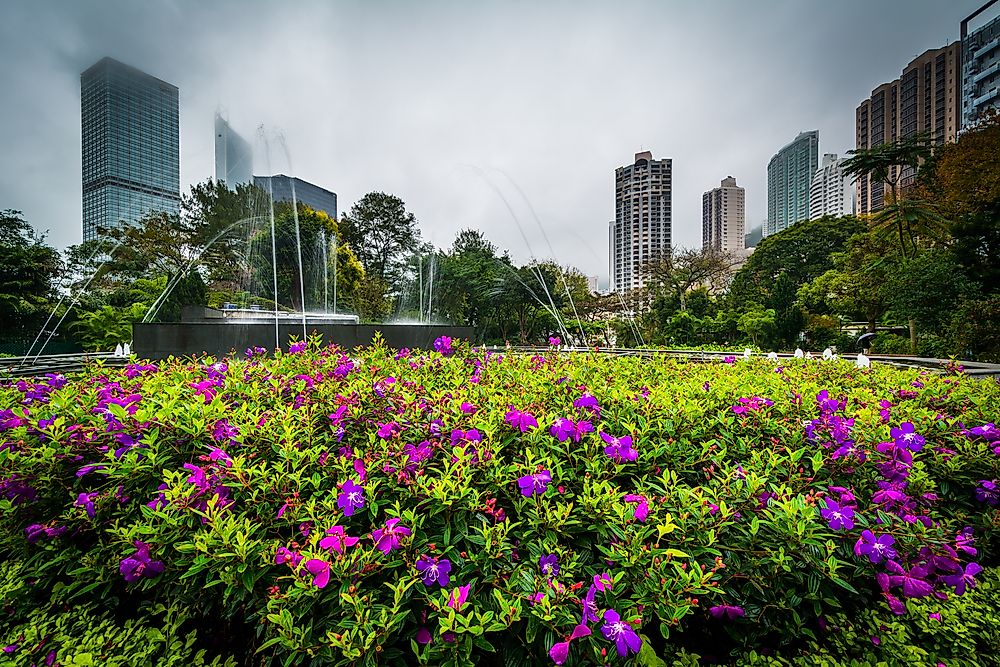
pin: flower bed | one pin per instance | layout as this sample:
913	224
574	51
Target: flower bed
468	507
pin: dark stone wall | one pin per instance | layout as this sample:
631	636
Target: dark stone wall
180	339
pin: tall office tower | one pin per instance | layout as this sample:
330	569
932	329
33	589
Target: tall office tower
980	64
723	217
131	146
233	155
788	176
831	191
640	231
926	98
313	196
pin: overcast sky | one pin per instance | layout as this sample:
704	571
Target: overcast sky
442	103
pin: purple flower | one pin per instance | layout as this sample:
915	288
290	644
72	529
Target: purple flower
560	650
876	548
423	636
603	581
534	484
590	606
588	403
337	540
727	611
963	579
468	408
567	429
352	497
86	501
320	570
554	341
388	538
619	449
442	345
388	430
434	571
838	517
286	555
914	582
523	421
549	565
906	437
987	492
458	596
751	404
295	348
621	633
139	564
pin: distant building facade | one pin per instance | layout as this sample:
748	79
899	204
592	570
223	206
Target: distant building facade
641	229
980	63
287	188
755	235
233	155
831	191
789	174
723	217
131	146
926	98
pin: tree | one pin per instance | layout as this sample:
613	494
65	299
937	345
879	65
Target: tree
804	251
29	268
383	234
758	324
680	271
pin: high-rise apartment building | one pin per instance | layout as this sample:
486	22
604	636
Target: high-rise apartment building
131	146
831	191
925	99
641	229
723	217
286	188
789	174
980	63
233	155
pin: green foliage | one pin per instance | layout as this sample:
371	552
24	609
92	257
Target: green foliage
382	234
102	329
29	268
230	462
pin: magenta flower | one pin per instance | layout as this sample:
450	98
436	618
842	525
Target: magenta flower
442	345
286	555
726	611
619	449
549	565
554	341
351	498
567	429
534	484
423	636
560	650
337	540
642	509
523	421
139	564
434	571
295	348
621	633
388	538
906	437
838	517
876	548
751	404
603	581
388	430
320	570
458	596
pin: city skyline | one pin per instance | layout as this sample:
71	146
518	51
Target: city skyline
386	104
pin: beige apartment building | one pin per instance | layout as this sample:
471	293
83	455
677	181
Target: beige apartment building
723	217
641	229
925	98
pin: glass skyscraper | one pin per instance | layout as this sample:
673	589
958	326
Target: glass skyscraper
233	155
313	196
131	146
789	174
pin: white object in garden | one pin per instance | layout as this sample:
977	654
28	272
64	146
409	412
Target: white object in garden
747	353
863	361
799	353
809	355
773	356
126	350
118	350
828	354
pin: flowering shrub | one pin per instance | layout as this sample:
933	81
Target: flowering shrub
320	507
